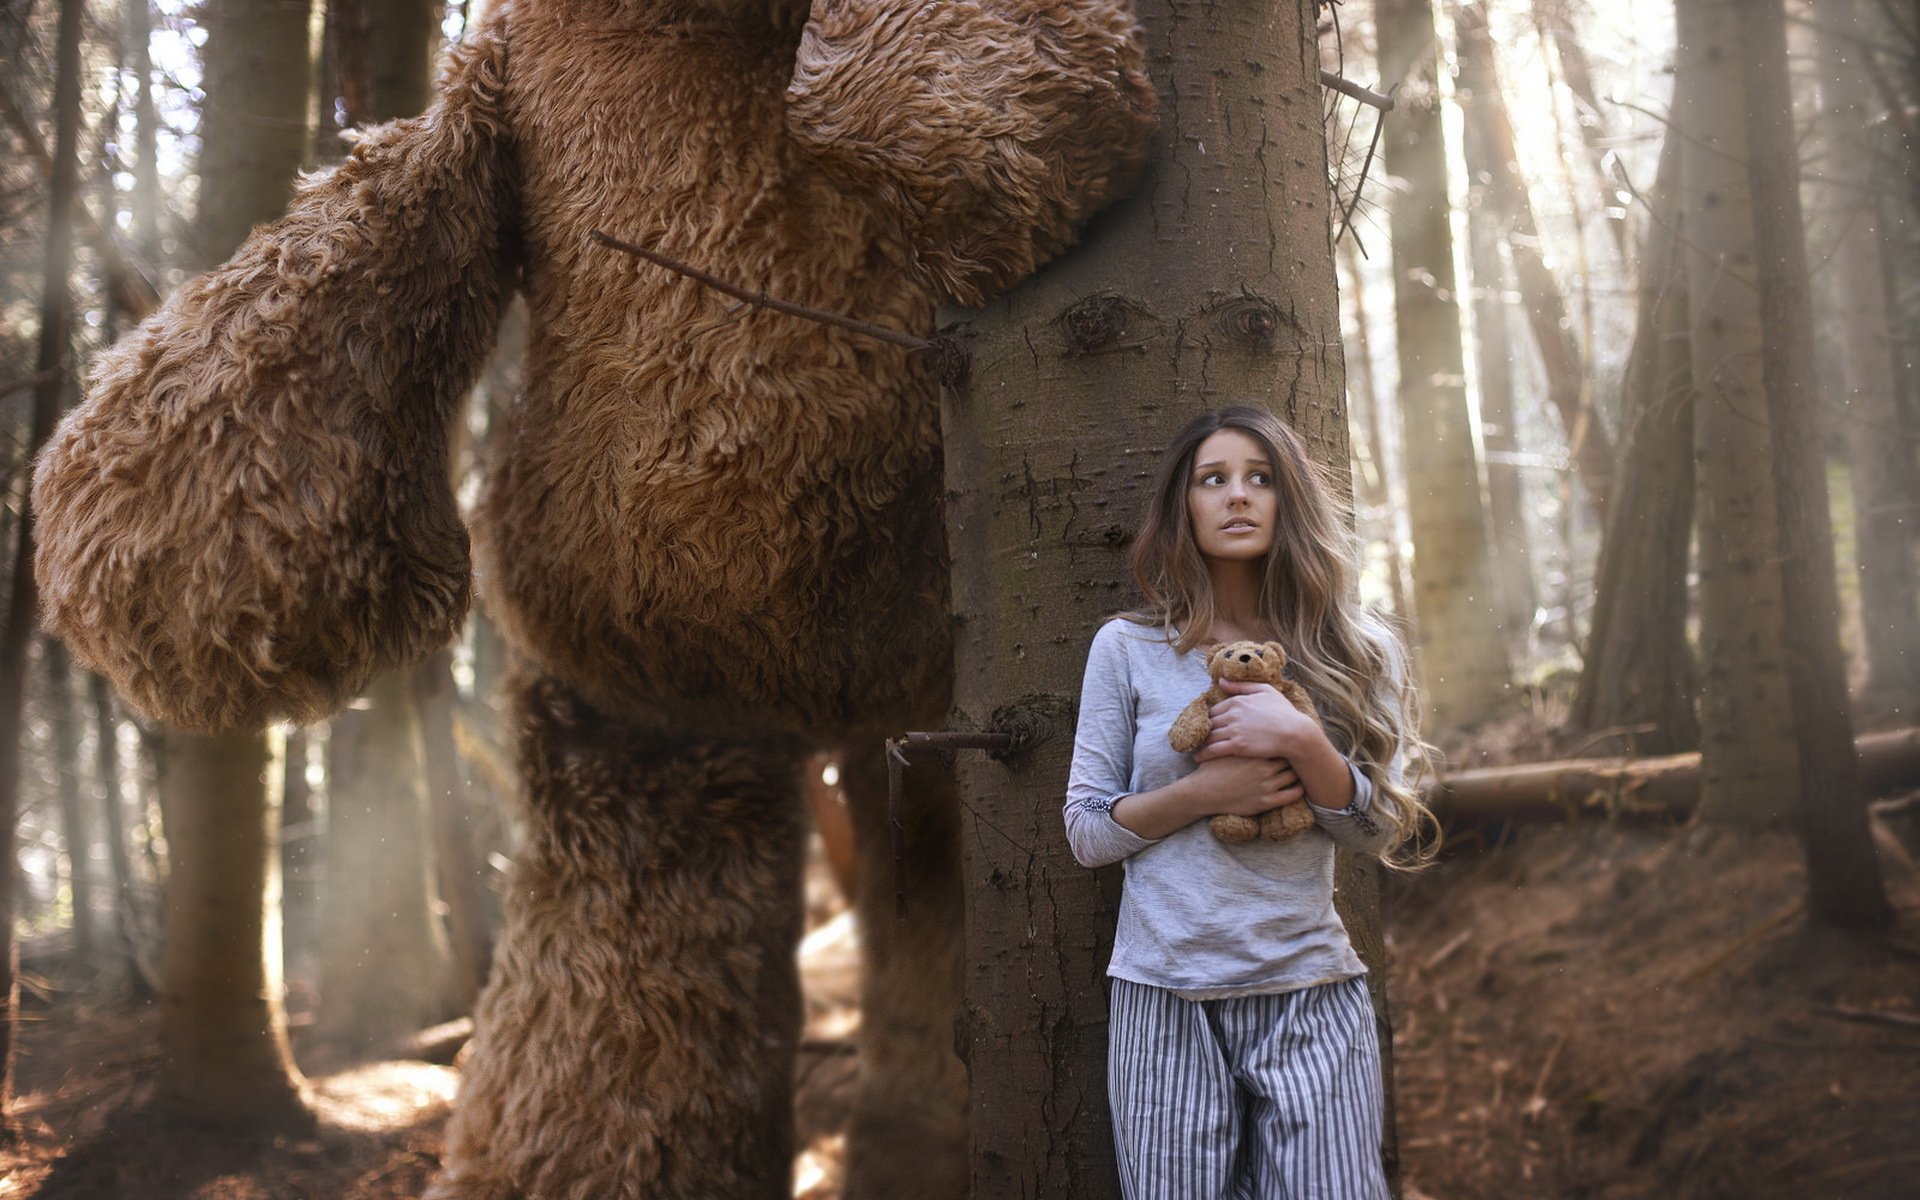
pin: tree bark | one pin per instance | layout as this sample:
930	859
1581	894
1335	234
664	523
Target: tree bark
222	1022
1486	229
1750	758
1463	661
1844	886
1639	677
54	369
1214	283
1879	453
222	1032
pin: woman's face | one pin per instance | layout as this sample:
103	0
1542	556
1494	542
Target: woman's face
1231	499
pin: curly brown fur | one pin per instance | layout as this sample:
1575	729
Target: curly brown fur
638	1033
732	517
880	89
251	515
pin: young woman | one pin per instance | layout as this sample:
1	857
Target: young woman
1242	1060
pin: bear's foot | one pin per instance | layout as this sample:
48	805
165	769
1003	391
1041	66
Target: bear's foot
1233	830
1279	824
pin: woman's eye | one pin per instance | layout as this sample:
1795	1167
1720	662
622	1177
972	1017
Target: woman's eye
1261	478
1213	478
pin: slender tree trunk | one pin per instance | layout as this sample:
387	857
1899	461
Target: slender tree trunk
1463	661
222	1022
55	369
1568	380
451	805
1750	772
1880	455
1555	21
1486	226
1843	872
113	827
63	720
1174	305
1639	677
137	28
386	966
1375	491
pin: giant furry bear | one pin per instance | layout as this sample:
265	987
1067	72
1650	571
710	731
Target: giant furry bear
712	536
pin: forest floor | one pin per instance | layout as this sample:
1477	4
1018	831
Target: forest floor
1582	1011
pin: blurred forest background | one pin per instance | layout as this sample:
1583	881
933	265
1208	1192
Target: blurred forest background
1665	287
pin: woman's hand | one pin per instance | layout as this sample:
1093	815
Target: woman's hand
1245	787
1256	721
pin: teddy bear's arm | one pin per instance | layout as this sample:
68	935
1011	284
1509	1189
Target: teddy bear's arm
1190	728
995	126
252	514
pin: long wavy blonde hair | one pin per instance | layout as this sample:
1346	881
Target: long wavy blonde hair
1350	660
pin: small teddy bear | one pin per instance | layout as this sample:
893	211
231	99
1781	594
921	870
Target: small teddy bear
1246	662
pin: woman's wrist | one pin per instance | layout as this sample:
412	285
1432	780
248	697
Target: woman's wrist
1324	773
1155	814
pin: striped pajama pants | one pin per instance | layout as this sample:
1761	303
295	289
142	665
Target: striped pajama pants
1272	1097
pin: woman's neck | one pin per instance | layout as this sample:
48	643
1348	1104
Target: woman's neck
1236	602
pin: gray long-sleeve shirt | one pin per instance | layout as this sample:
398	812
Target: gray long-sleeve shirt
1199	916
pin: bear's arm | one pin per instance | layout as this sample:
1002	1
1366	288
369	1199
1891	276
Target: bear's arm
251	514
994	126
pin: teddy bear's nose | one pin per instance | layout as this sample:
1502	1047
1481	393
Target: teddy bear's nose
1246	658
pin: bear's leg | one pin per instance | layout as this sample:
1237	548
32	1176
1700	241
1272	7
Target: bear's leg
638	1034
909	1124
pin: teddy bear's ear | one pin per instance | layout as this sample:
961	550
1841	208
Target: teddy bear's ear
1278	651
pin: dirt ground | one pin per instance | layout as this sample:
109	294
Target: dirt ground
1580	1011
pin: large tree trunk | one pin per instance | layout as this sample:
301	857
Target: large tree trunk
1881	456
1843	874
1487	223
1750	762
54	371
222	1030
222	1023
1639	677
1213	283
1463	662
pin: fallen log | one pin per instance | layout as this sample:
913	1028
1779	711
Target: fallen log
1668	786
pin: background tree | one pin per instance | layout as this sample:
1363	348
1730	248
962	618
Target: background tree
51	381
1464	671
1639	683
1879	450
1774	696
386	967
1081	376
223	1026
